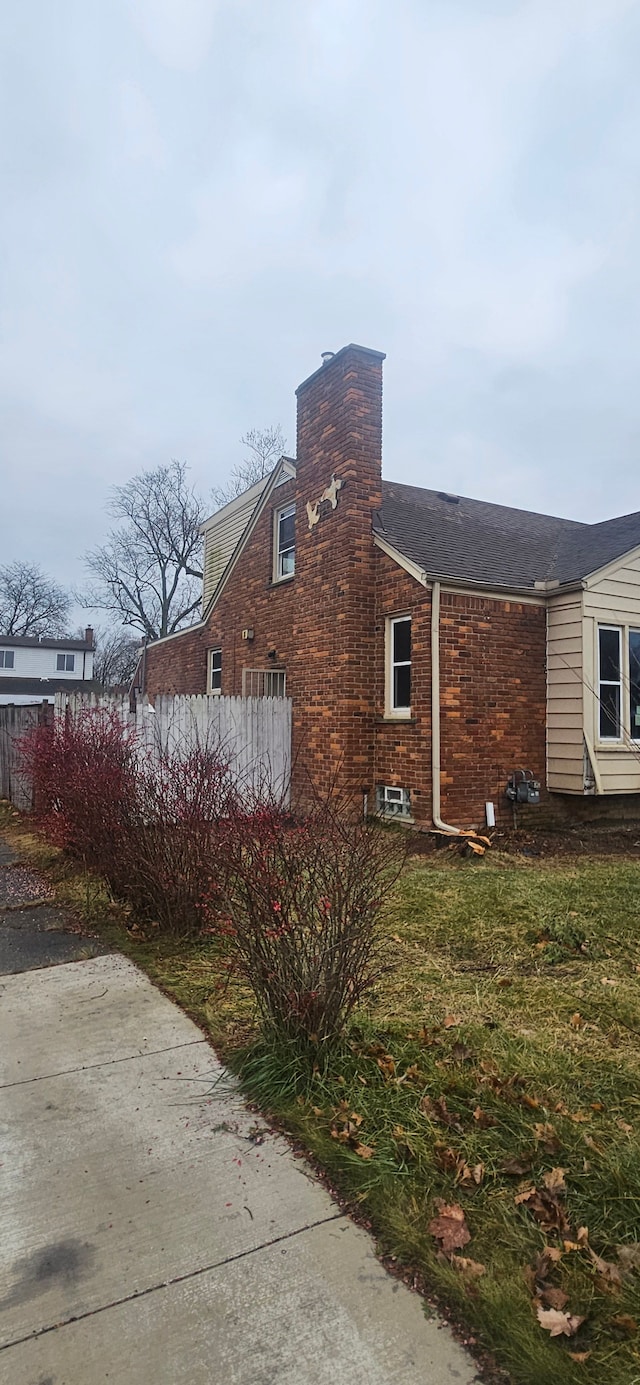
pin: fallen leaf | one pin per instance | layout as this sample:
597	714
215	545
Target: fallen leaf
555	1298
398	1132
449	1227
483	1119
622	1125
387	1065
591	1144
364	1151
579	1117
450	1021
460	1053
579	1356
609	1275
472	1268
554	1182
466	1177
317	1111
437	1110
546	1209
517	1168
576	1021
607	981
547	1136
530	1101
625	1323
558	1324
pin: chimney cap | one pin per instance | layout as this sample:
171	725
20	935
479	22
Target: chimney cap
326	356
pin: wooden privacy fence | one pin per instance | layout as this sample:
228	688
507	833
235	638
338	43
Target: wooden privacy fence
15	721
254	733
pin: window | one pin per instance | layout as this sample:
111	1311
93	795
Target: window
393	802
264	682
215	670
7	657
66	663
610	682
284	543
634	684
399	667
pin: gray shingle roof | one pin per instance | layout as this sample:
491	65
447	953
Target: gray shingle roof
474	541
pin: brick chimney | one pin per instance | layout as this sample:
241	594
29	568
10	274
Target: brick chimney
338	490
88	636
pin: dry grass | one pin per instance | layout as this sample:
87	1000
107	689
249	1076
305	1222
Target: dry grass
515	993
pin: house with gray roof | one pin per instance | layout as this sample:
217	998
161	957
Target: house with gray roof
436	649
34	668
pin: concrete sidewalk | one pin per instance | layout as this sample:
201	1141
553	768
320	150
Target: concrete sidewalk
152	1232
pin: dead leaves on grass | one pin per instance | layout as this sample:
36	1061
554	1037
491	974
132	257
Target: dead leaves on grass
558	1324
449	1227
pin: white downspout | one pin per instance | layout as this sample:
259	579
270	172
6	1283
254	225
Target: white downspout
435	714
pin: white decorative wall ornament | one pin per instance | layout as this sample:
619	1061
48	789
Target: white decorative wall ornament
330	494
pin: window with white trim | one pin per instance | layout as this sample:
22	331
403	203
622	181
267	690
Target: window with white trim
65	663
284	543
7	658
398	697
393	802
215	671
610	682
264	682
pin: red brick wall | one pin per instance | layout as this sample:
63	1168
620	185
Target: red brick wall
339	433
327	626
492	697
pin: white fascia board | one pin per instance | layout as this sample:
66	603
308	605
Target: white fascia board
285	468
164	639
412	568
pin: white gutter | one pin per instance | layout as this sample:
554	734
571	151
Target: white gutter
435	714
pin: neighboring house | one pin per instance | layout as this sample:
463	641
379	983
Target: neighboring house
34	670
431	644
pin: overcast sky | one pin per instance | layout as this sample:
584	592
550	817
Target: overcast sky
200	196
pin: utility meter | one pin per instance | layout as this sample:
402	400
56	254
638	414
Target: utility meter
522	787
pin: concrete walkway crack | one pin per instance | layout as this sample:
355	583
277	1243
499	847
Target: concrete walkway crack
106	1063
176	1279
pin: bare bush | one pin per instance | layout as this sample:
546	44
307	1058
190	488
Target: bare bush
303	918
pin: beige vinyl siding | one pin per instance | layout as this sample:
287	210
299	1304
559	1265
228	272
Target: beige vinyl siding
565	735
612	597
222	534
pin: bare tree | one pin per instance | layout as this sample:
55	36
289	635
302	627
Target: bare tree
116	656
149	572
30	602
263	448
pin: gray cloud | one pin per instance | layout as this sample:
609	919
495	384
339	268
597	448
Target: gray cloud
200	195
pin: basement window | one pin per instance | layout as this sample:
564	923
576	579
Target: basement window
393	802
7	657
65	663
264	682
284	543
215	671
610	681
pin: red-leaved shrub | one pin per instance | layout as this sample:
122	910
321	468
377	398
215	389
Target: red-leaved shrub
303	913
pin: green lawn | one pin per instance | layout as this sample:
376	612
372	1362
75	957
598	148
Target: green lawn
503	1045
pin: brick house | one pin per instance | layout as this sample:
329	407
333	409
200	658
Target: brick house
430	644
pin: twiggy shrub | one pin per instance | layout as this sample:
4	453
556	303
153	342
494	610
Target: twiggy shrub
153	823
304	901
189	805
84	770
